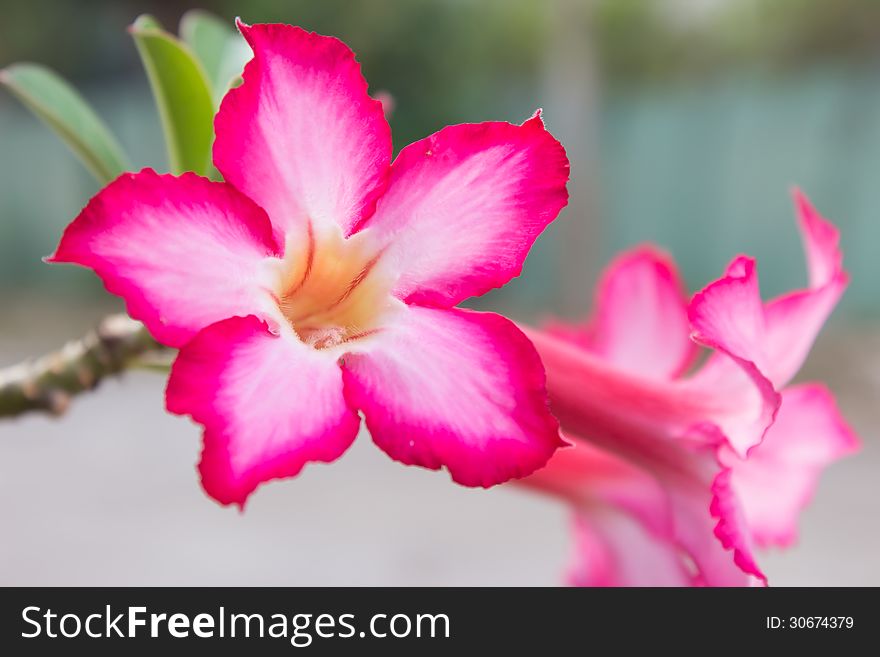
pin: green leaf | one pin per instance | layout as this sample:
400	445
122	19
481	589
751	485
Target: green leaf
222	51
182	93
147	22
64	110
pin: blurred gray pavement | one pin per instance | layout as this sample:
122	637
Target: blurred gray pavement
108	495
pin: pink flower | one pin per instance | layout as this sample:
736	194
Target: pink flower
320	279
677	474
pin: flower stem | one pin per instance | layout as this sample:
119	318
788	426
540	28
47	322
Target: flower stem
48	383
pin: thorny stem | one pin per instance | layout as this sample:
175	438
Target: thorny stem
48	383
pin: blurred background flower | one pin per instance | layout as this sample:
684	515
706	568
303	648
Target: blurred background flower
686	121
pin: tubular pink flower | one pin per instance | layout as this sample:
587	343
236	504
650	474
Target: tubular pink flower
320	279
725	460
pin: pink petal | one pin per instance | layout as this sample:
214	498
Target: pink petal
640	323
672	430
779	477
795	319
588	477
707	516
623	529
614	549
821	242
301	136
591	396
269	405
728	316
793	323
464	206
651	523
455	388
183	252
772	340
732	529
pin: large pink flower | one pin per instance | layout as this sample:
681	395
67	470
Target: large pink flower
320	279
677	475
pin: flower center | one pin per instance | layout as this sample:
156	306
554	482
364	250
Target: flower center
332	290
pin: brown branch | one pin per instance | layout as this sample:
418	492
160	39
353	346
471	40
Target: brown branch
48	383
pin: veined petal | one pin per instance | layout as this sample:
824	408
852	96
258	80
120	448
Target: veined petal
639	322
301	136
183	252
269	405
455	388
779	477
464	206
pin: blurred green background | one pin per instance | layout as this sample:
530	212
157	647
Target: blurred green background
687	121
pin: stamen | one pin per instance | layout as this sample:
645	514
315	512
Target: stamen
310	262
339	296
354	284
